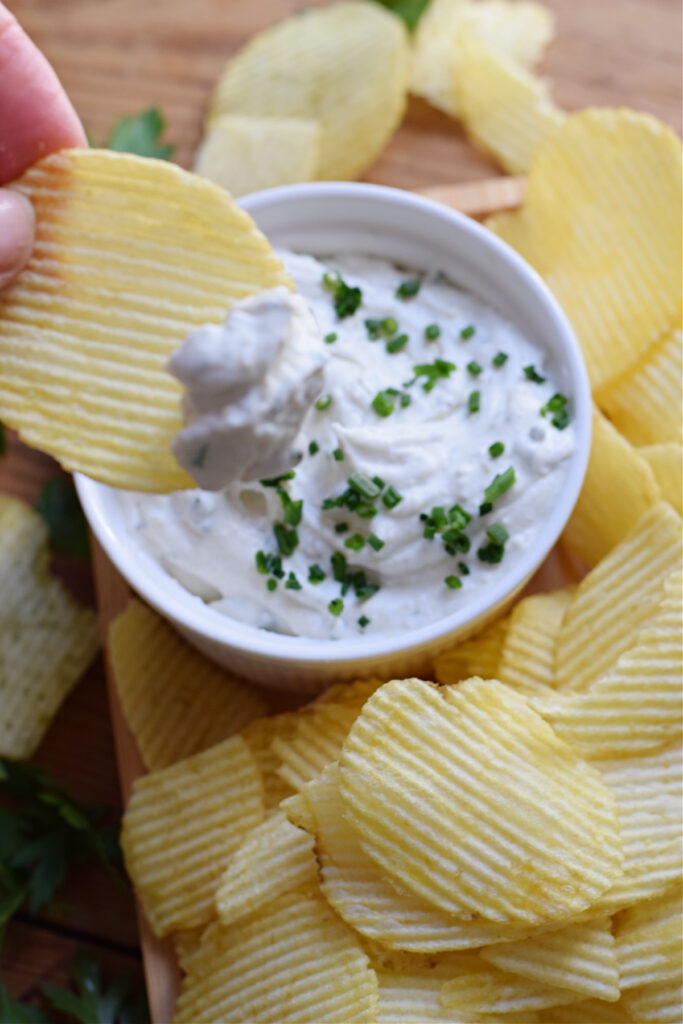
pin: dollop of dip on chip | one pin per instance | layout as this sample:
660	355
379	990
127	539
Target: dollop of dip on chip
249	383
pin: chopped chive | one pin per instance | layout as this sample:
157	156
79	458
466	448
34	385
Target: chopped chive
405	400
315	573
330	338
271	584
363	621
391	497
474	368
365	510
275	481
341	527
496	449
291	509
366	487
324	402
453	582
439	517
373	327
338	563
292	582
531	374
355	542
313	448
286	539
501	483
495	549
467	332
396	344
378	480
557	406
336	606
382	405
408	289
432	332
497	533
462	566
500	359
388	326
375	542
473	401
485	508
262	563
346	299
458	518
338	455
439	369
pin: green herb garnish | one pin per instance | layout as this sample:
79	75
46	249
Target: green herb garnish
316	574
324	402
271	584
531	374
408	289
338	455
287	540
473	401
366	487
375	542
346	299
438	370
496	449
454	582
313	448
275	481
462	566
341	527
409	11
396	344
291	509
382	403
432	332
557	405
93	1001
391	497
500	359
495	549
292	582
501	483
336	606
467	332
363	621
140	133
330	338
374	328
474	368
388	326
355	542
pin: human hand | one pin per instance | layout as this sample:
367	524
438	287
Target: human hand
36	118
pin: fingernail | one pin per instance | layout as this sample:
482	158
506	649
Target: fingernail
17	229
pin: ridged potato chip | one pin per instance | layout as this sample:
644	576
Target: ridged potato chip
357	888
519	31
298	811
318	740
350	694
47	640
345	66
666	462
644	402
292	961
616	599
108	294
186	943
182	825
610	250
505	109
618	489
275	858
246	154
581	957
454	793
491	991
588	1011
527	658
414	993
175	700
478	656
649	940
259	736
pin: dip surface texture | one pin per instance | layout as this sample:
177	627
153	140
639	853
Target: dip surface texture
437	446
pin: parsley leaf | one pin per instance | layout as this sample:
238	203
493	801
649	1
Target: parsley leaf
59	506
93	1002
140	133
409	11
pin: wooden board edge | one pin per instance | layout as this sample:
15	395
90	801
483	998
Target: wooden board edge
479	198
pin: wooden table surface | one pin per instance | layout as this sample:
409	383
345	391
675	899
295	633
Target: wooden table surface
120	56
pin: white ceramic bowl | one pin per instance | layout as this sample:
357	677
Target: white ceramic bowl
326	218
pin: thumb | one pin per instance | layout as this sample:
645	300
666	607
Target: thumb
17	229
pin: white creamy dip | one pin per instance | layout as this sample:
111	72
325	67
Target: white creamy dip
402	420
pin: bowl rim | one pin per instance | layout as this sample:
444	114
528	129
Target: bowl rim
292	650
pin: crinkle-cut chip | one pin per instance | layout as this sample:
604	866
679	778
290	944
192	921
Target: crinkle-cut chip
186	943
275	858
455	792
642	782
611	249
318	741
350	694
519	31
291	961
505	108
666	462
175	700
588	1011
360	892
246	154
649	940
258	736
346	67
489	990
644	402
108	294
478	656
298	811
636	705
412	992
182	825
47	640
399	961
619	487
580	957
527	658
616	599
662	1002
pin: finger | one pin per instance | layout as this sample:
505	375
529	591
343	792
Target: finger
17	226
36	116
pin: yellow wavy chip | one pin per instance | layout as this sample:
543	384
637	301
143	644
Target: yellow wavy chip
292	961
182	825
618	489
298	811
649	940
610	250
275	858
588	1011
580	957
413	994
519	31
616	599
455	792
320	733
357	888
246	154
345	66
109	292
491	991
527	658
644	402
666	462
350	694
47	640
505	109
259	736
175	700
186	943
478	656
